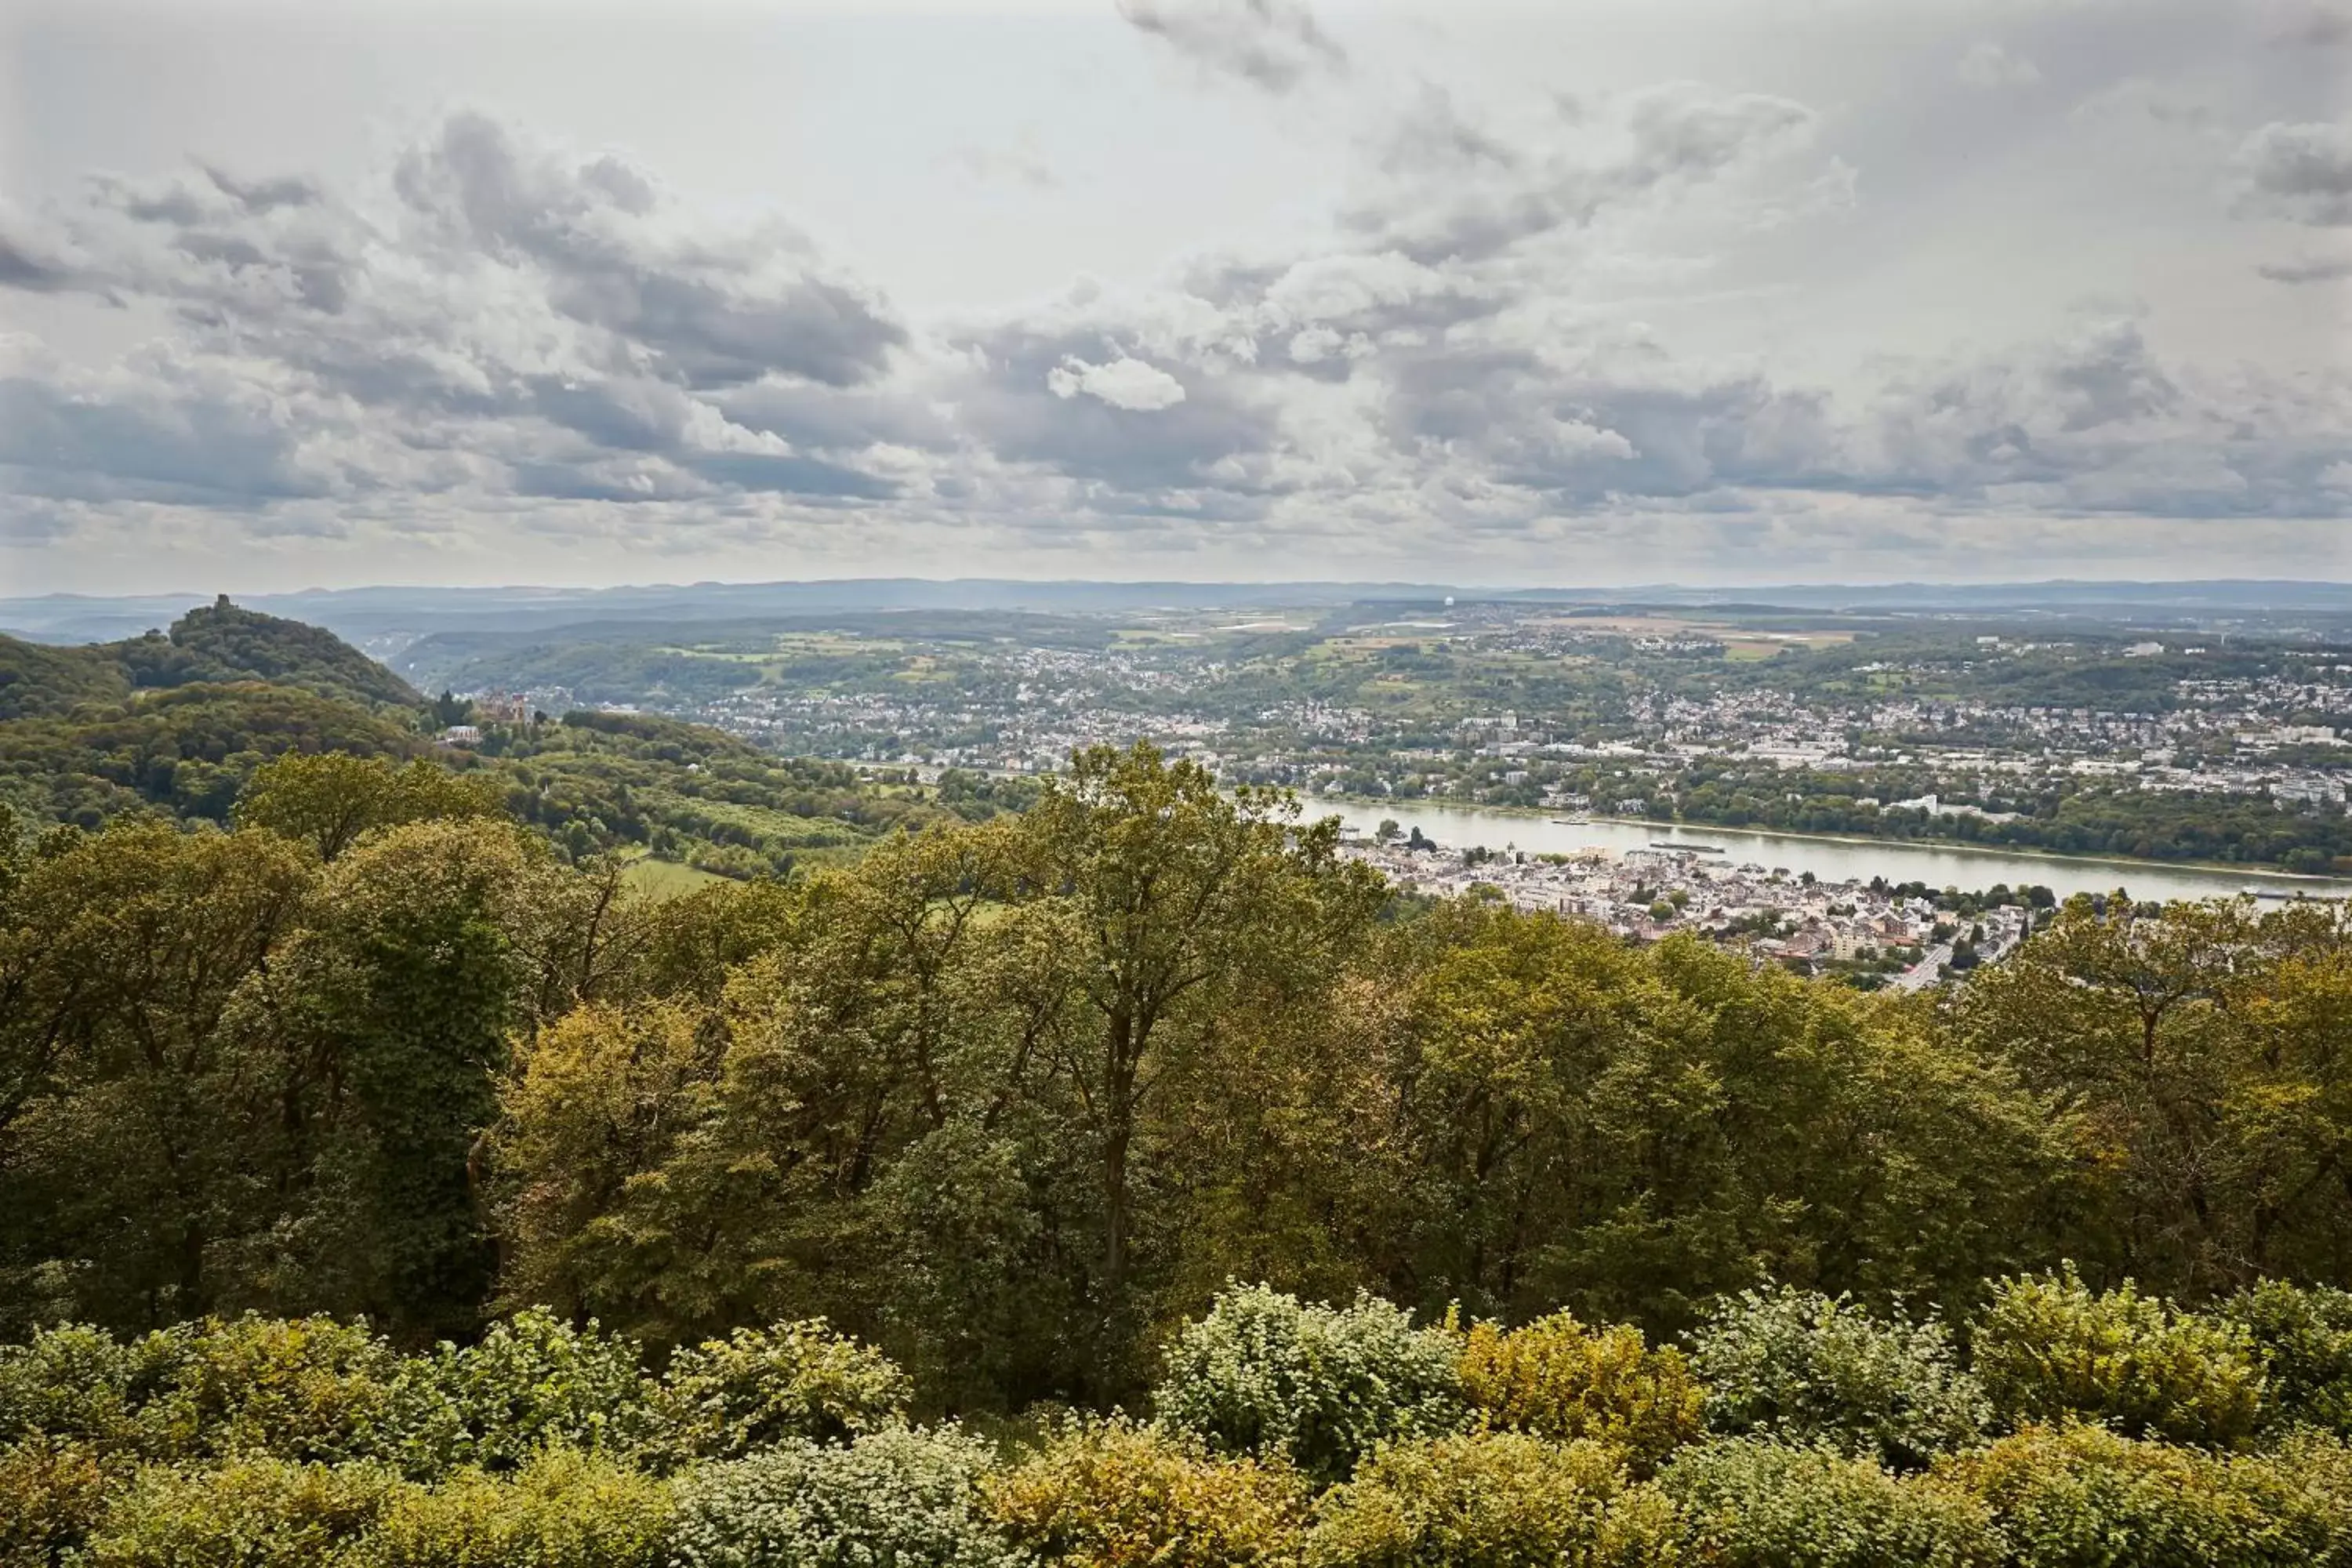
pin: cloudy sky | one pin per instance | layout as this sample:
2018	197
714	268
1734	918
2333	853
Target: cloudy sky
1591	292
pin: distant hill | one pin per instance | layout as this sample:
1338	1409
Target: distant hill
219	643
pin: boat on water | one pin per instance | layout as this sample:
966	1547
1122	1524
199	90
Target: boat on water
1571	822
1678	844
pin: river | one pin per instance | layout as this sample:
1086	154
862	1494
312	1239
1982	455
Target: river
1832	860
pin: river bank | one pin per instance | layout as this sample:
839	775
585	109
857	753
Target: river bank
1835	857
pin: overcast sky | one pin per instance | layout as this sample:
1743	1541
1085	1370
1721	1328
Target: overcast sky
1593	292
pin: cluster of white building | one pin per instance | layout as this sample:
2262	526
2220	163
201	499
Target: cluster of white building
1647	894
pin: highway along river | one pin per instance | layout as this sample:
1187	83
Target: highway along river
1831	859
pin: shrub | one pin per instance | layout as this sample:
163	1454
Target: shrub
298	1388
562	1510
247	1513
2305	1336
1113	1494
724	1397
899	1497
83	1383
1558	1379
1749	1503
1808	1369
51	1492
1489	1499
2083	1497
1264	1374
533	1382
2319	1464
2047	1347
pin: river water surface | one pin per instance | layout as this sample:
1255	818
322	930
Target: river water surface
1831	859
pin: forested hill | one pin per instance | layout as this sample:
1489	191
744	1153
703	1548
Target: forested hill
218	644
175	726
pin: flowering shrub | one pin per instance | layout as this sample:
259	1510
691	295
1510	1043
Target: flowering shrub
1115	1494
899	1497
2048	1348
1749	1503
1559	1379
1489	1499
1263	1373
1808	1369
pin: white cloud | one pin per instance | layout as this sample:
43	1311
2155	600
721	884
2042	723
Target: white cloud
1124	383
1988	67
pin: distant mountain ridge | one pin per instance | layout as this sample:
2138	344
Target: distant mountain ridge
372	612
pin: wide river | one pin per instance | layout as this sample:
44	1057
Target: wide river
1831	859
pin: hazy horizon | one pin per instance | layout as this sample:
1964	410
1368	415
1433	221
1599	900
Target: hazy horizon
1699	293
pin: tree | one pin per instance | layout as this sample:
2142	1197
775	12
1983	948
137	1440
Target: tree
137	1141
331	799
1177	899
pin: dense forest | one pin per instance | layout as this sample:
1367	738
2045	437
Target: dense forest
1129	1180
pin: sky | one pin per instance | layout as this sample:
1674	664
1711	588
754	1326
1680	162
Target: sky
1586	293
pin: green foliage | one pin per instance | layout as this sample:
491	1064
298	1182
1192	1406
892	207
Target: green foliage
2047	1347
1115	1494
1560	1379
1809	1370
910	1499
248	1513
1266	1375
2305	1336
2083	1497
723	1398
306	1389
533	1382
51	1493
1749	1503
562	1510
1490	1500
328	800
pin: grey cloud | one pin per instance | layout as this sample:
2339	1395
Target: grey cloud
547	335
153	442
20	268
718	314
1215	437
2307	23
788	475
833	419
264	195
1607	424
2302	173
2314	270
1479	206
2095	423
1273	44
